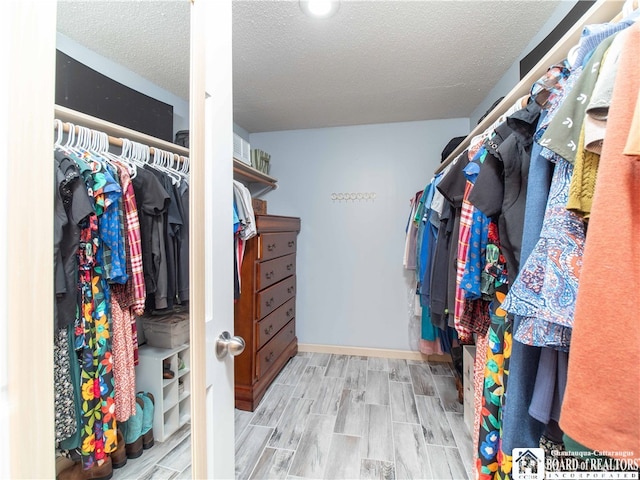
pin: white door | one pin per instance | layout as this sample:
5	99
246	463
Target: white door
29	97
211	138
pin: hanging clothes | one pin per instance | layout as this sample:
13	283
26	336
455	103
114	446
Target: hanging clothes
615	197
100	287
98	424
244	228
152	202
72	206
452	188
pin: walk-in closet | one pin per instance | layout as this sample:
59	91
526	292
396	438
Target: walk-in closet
320	239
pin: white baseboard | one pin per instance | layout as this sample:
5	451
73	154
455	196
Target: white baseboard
372	352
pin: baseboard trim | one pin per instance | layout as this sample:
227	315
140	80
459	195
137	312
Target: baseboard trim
372	352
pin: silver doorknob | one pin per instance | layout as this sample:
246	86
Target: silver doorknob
227	344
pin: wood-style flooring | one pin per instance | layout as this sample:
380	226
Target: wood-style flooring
339	417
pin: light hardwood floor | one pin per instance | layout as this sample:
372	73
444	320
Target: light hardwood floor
339	417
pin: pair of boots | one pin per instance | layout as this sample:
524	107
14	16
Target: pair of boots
136	434
97	472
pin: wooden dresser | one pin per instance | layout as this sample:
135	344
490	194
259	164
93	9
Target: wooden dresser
265	312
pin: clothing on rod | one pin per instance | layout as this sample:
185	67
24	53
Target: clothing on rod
522	220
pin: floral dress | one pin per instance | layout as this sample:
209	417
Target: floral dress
93	336
491	462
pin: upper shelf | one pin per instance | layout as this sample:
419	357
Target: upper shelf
247	174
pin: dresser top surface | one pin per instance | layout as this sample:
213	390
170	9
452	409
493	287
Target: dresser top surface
277	223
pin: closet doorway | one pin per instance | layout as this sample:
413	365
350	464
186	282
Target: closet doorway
130	43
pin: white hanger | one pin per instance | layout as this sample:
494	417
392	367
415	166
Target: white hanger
68	146
129	156
573	54
100	146
177	166
122	159
186	163
161	159
59	134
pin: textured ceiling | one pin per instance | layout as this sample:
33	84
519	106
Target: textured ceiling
374	61
149	37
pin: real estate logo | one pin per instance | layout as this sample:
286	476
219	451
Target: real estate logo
528	464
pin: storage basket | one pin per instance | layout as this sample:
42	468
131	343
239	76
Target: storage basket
166	331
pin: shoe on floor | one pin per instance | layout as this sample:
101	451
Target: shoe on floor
97	472
119	456
147	419
132	431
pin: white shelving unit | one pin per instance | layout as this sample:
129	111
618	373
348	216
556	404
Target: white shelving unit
468	363
172	395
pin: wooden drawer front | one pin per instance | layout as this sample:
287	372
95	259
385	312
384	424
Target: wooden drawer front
273	245
270	325
268	354
271	298
272	271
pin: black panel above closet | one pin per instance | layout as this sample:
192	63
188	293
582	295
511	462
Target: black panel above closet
83	89
533	57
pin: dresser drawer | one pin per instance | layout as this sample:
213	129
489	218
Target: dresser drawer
270	325
273	245
268	354
272	271
271	298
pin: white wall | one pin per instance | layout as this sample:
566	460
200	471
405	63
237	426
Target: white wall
125	76
512	75
352	289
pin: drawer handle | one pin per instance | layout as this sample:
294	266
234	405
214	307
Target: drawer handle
269	302
290	290
289	267
268	357
271	247
269	275
291	243
267	331
289	312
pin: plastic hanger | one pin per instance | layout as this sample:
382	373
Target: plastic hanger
122	158
101	147
186	163
85	143
177	166
132	152
59	134
161	163
67	147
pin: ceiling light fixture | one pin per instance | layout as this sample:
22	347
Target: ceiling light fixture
320	8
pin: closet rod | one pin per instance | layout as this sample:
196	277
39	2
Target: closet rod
601	12
115	141
116	132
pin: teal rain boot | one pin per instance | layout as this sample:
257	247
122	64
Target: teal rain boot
147	419
133	431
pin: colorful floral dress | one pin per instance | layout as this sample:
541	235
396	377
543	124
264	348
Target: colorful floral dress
492	463
93	336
